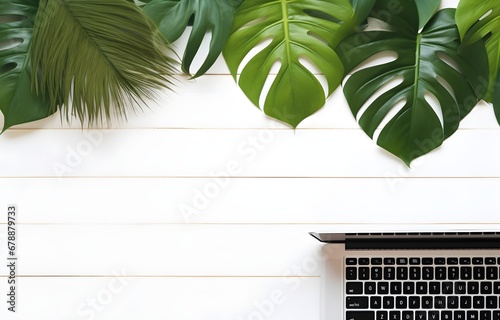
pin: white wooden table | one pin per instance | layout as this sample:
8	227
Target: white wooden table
141	221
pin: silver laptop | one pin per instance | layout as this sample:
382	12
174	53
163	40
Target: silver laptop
405	275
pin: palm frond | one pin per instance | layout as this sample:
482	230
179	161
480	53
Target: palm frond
96	58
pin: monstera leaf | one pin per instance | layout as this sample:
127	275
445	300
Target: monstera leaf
17	103
480	19
173	16
298	31
99	57
424	69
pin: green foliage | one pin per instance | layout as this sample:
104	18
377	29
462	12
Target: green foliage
308	30
17	103
98	57
422	68
477	20
173	16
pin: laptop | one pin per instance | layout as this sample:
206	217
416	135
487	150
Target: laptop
442	274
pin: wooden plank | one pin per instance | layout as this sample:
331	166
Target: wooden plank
249	200
242	153
165	250
129	298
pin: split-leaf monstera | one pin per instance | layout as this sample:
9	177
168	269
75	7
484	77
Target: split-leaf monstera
424	68
478	20
173	16
17	103
298	31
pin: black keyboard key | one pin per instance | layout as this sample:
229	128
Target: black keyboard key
383	288
402	273
360	315
439	261
409	287
407	315
382	315
452	302
422	288
473	287
389	261
420	315
364	273
414	302
479	273
351	261
427	302
439	302
492	273
376	273
477	261
427	261
465	261
490	261
446	315
388	302
496	287
433	315
415	273
370	288
440	273
396	288
401	302
447	287
465	302
389	273
428	273
414	261
472	315
491	302
486	287
466	273
402	261
478	302
395	315
364	261
351	273
354	288
453	273
460	287
357	302
496	314
376	261
452	261
485	315
459	315
434	287
375	303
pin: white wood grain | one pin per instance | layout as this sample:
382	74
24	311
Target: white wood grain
215	101
164	250
251	153
123	298
246	200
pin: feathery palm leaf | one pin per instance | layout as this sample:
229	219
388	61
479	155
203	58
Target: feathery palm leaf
99	56
17	102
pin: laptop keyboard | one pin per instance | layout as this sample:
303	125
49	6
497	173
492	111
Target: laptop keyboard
437	288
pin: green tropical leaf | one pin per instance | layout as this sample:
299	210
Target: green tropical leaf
478	20
423	68
173	16
97	57
426	10
17	103
298	30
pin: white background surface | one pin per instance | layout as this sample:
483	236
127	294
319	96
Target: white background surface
141	221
